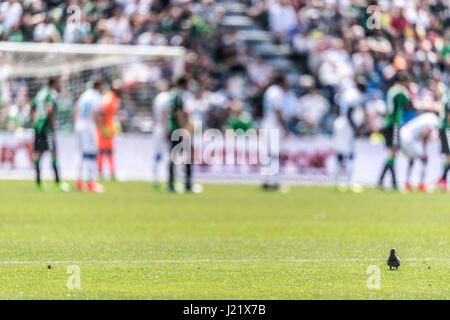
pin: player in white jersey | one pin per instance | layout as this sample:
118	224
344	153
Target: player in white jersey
414	137
345	130
273	119
86	117
160	144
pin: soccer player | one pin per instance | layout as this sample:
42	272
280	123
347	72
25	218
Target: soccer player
273	119
345	130
161	106
43	111
178	119
86	115
414	137
398	98
106	128
444	134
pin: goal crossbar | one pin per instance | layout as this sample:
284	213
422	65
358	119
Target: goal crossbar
112	50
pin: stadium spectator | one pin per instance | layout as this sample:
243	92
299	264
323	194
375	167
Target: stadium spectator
331	39
282	17
11	13
312	105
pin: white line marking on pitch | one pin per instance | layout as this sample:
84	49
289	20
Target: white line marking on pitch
213	261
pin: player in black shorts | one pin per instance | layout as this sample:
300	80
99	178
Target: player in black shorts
444	134
178	119
43	110
398	99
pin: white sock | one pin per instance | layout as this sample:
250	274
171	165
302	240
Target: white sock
409	172
80	169
156	162
424	171
90	164
349	165
337	171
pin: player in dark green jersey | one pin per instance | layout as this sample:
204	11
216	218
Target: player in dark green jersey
178	119
398	99
43	110
444	134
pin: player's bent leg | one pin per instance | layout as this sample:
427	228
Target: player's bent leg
423	186
408	185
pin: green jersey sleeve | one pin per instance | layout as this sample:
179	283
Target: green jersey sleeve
398	100
445	112
176	104
39	105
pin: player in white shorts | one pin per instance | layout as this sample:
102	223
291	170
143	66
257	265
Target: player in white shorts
414	137
345	131
160	144
86	117
274	103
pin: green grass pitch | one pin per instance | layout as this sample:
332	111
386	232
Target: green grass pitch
230	242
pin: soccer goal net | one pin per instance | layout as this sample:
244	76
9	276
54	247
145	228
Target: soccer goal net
26	67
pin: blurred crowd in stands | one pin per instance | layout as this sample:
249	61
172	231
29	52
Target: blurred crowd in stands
333	45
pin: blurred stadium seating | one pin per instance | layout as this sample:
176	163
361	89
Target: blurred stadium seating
234	49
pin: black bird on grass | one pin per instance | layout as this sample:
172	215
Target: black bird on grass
393	261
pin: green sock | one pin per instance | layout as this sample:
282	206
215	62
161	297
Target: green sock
37	163
55	169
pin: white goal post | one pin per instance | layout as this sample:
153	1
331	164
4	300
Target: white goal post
110	51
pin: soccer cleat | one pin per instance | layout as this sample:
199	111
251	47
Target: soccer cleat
157	186
380	187
63	187
41	187
284	189
197	188
409	187
342	188
79	185
180	187
423	187
356	188
442	185
95	187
